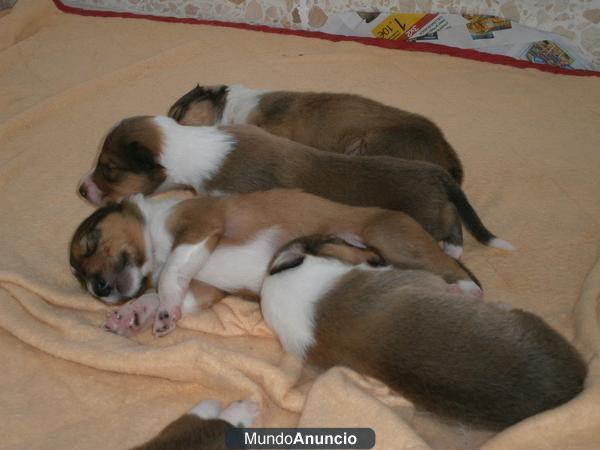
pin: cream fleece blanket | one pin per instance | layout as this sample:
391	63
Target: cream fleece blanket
529	142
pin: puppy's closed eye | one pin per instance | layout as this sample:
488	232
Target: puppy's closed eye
377	261
91	243
109	171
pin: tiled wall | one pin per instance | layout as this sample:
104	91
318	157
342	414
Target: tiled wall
578	20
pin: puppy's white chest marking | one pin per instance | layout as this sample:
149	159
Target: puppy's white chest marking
289	300
235	267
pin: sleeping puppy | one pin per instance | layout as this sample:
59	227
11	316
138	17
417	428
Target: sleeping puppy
204	427
153	154
445	351
339	123
123	249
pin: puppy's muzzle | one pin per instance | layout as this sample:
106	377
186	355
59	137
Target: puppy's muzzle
90	191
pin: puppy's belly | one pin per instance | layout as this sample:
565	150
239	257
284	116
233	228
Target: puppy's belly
235	267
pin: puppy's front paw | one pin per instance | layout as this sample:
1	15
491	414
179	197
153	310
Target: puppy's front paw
165	320
242	413
470	288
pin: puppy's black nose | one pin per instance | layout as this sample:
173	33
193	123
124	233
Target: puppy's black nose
101	287
83	190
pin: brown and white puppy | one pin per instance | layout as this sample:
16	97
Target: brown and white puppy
226	242
204	427
339	123
150	154
455	356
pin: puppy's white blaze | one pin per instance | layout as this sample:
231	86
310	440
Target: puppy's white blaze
235	267
470	288
501	244
289	299
206	409
241	101
191	155
136	277
454	251
242	413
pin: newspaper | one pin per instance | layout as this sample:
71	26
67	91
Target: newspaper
484	33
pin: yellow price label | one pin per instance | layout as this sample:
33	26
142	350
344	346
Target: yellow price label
395	25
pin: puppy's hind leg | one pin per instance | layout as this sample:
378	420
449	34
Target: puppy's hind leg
452	244
241	413
405	244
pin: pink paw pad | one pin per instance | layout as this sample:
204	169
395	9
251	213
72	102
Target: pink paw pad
125	321
165	320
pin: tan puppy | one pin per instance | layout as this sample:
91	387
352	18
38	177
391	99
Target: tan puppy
227	242
339	123
204	427
447	352
150	154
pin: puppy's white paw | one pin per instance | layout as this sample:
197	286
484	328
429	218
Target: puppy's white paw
242	413
452	250
206	409
470	288
164	322
503	306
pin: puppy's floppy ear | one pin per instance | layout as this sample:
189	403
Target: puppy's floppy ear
216	93
288	258
140	158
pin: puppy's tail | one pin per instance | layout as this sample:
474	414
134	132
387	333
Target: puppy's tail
471	219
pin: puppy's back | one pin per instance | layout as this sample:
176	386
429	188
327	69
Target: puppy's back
355	125
453	355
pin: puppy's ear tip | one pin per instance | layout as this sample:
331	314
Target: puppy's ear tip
288	259
352	240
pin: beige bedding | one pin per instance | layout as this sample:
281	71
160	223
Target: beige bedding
529	142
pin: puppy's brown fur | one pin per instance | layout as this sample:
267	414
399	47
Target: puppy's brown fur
260	161
340	123
237	219
451	354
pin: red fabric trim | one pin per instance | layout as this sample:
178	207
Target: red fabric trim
398	45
